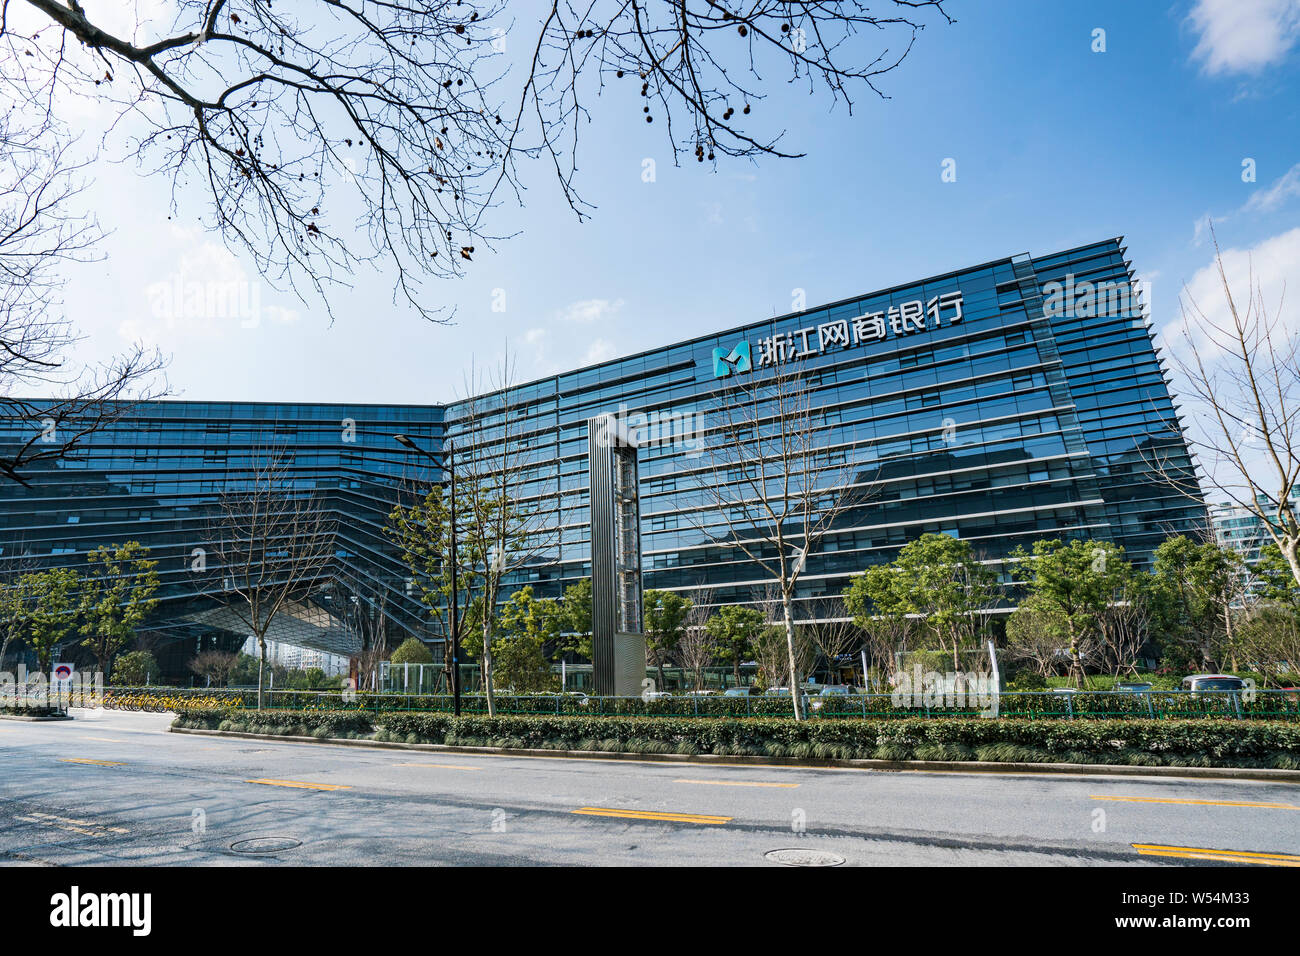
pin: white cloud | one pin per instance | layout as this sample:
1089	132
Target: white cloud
600	350
1286	186
591	310
1265	268
206	293
1203	226
1244	36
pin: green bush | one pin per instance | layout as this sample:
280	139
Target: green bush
136	669
1133	741
412	651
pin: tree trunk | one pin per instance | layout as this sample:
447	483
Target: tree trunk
789	644
261	667
487	668
735	665
1289	551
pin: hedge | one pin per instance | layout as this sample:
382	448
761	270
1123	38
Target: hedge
1175	743
1081	704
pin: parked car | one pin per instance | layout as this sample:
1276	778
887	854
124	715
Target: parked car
1196	682
1134	687
832	690
739	692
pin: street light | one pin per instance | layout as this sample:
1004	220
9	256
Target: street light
446	463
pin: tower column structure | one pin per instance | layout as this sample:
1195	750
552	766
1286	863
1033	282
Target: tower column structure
617	638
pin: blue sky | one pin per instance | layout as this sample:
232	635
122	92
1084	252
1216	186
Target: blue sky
1054	145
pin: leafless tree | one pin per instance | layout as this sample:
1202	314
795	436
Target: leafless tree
215	666
1125	626
40	235
697	649
1037	634
1243	373
509	507
776	487
362	604
298	119
272	547
884	636
833	632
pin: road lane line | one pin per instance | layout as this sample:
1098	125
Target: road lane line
654	815
1199	803
1222	856
439	766
97	763
740	783
107	740
301	785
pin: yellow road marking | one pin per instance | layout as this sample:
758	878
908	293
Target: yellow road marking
739	783
1200	803
107	740
654	815
300	784
439	766
97	763
1222	856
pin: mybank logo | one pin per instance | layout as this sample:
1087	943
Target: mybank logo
737	360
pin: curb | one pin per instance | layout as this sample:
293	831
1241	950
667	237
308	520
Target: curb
35	719
927	766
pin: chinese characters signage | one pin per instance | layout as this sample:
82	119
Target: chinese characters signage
903	319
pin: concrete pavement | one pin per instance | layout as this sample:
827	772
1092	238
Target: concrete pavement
116	788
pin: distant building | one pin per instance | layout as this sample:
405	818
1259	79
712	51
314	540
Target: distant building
299	658
1239	528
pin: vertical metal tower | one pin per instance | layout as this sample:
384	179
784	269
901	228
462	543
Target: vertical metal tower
617	642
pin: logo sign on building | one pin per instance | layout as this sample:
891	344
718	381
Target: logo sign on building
737	360
905	318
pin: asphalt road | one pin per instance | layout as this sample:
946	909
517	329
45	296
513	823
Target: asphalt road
116	788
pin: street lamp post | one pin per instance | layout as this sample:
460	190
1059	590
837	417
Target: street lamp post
448	464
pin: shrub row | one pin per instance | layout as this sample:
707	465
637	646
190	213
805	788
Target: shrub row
1178	743
1081	704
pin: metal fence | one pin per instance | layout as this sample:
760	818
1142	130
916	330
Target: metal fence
1244	705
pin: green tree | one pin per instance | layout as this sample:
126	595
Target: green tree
52	612
575	617
412	651
528	625
136	669
735	629
1273	580
936	578
1037	633
117	594
665	622
1196	586
1079	580
422	532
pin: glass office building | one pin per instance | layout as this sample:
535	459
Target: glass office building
1002	403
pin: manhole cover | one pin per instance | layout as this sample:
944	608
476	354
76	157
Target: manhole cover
800	857
265	845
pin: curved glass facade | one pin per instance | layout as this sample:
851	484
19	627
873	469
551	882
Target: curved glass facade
1014	400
